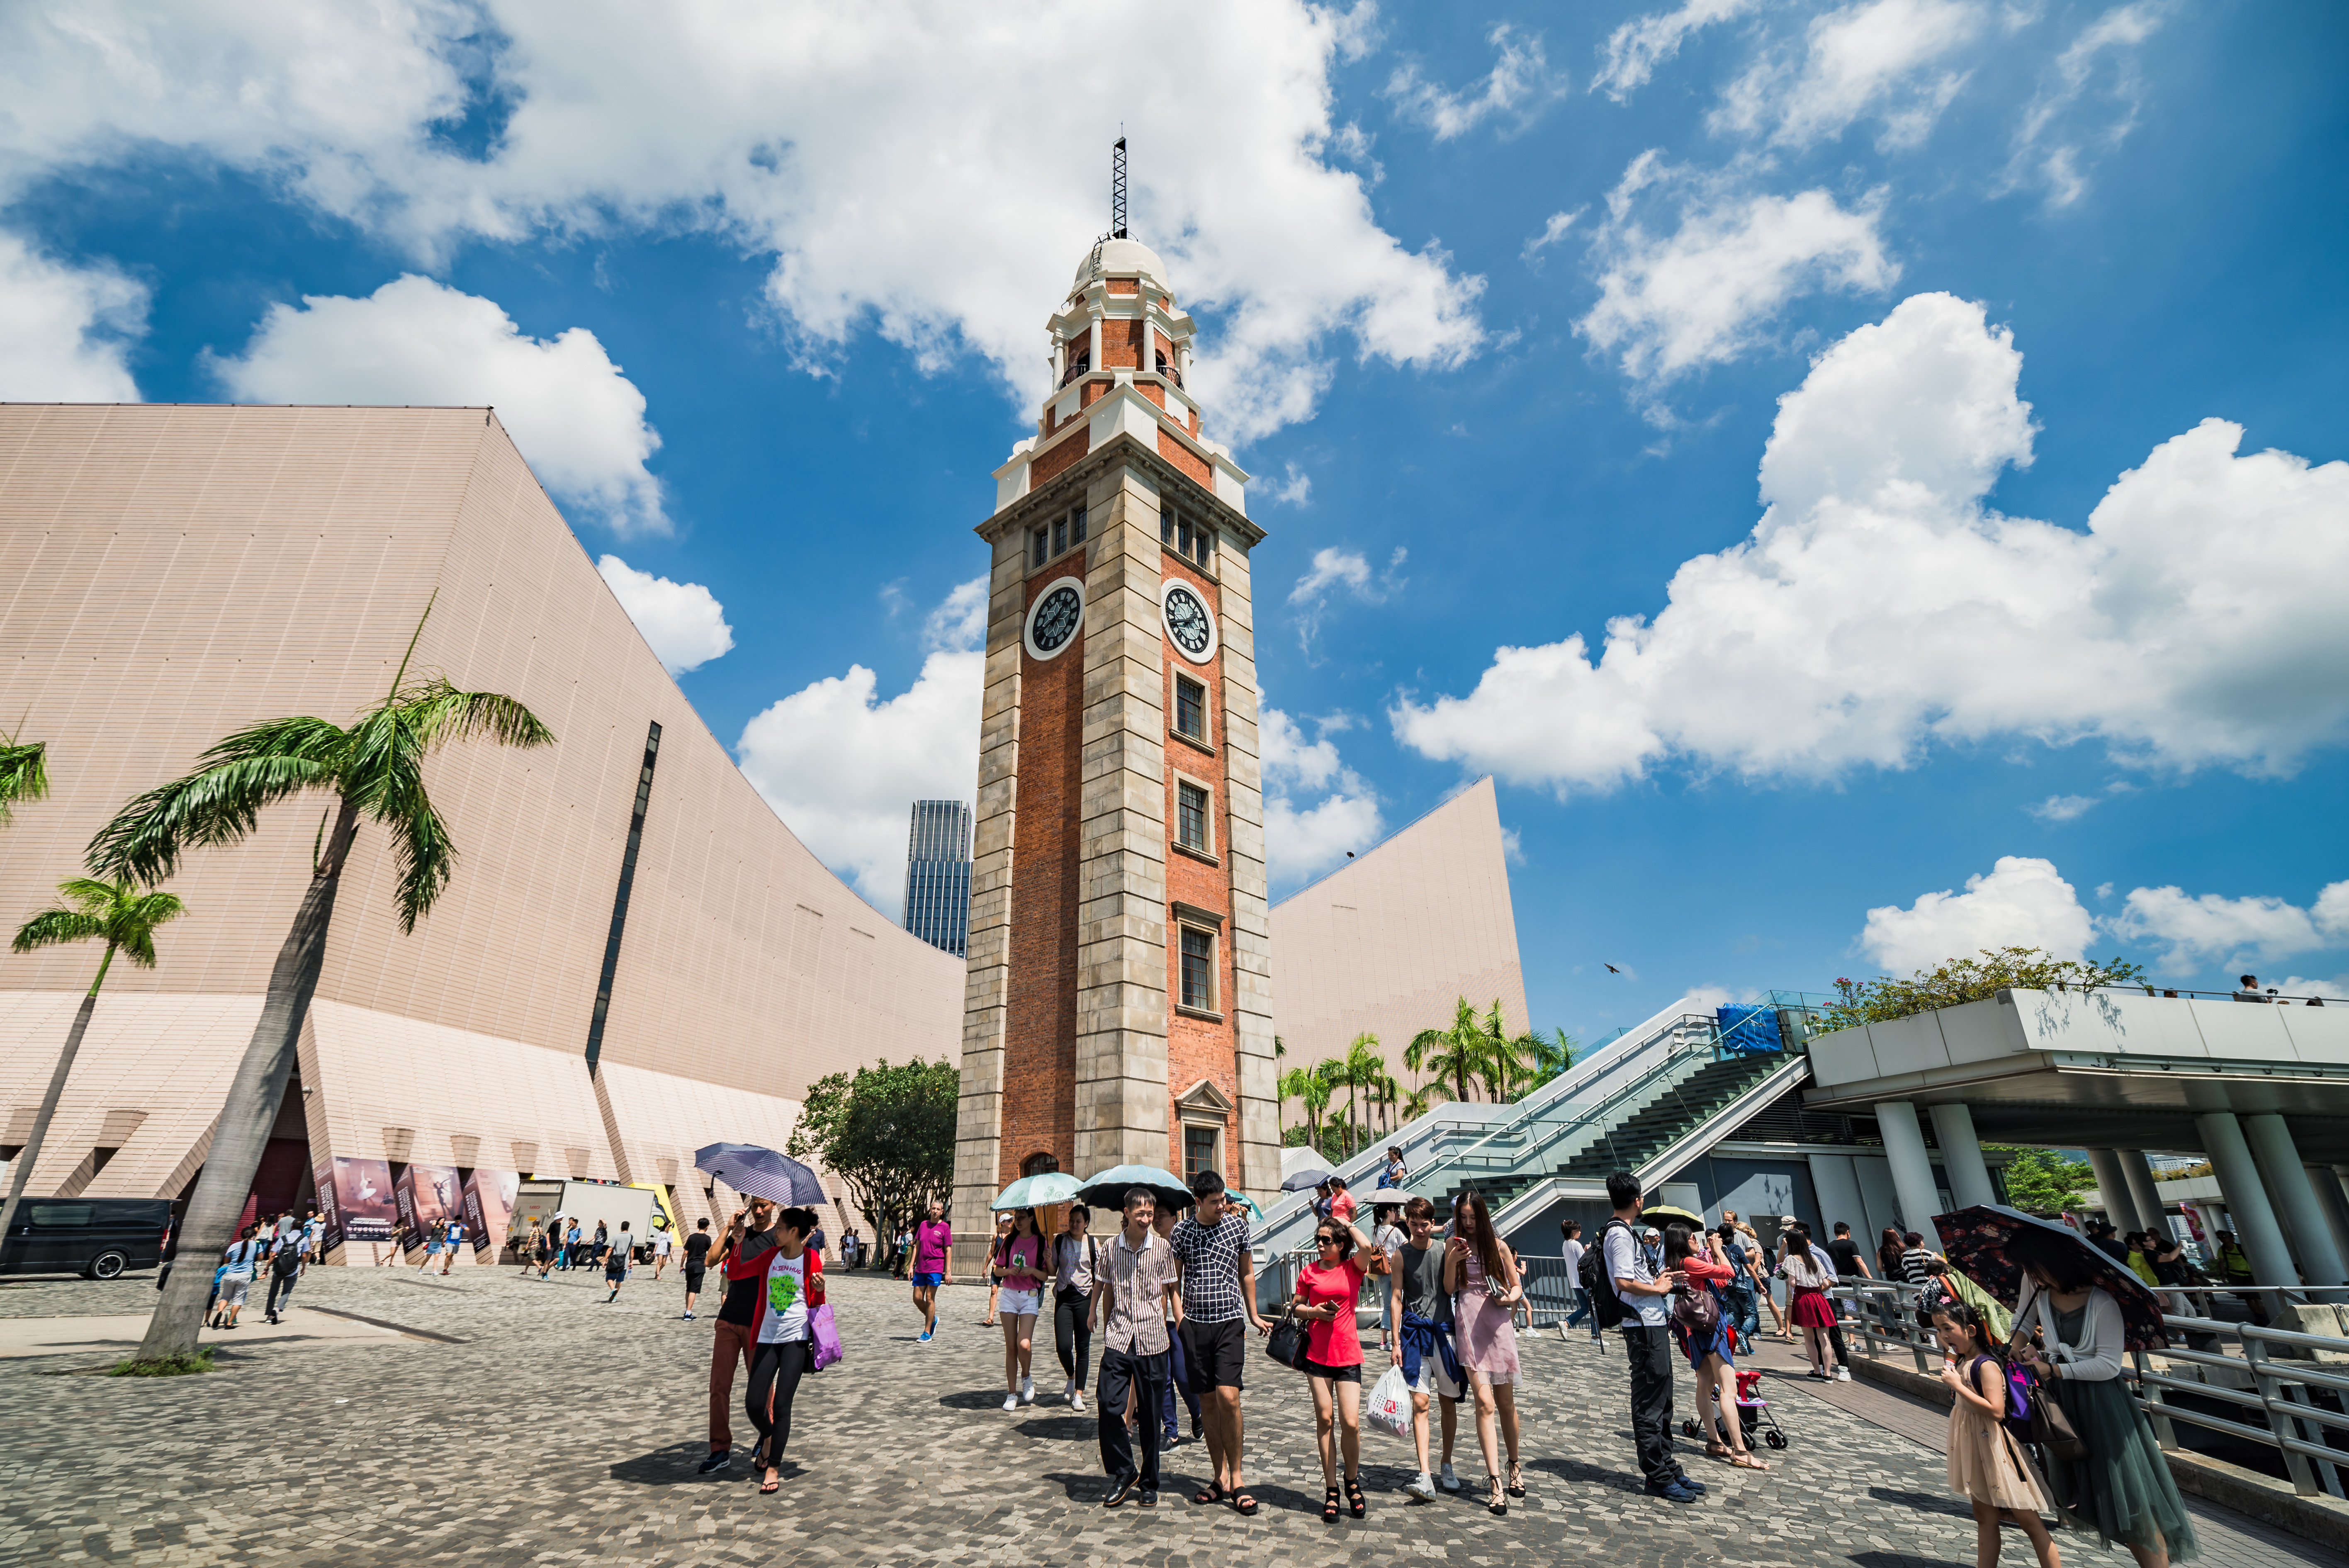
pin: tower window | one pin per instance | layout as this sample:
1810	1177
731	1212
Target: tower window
1198	970
1191	817
1040	549
1190	709
1077	526
1059	534
1199	1149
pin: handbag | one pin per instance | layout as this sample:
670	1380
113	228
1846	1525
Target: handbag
1289	1343
1697	1309
2052	1430
824	1335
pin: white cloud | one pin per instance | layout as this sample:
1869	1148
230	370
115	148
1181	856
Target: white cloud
2023	902
1552	232
842	766
684	621
2238	930
960	621
1704	293
1634	50
2060	135
1882	58
2064	808
1519	87
1337	569
1303	837
843	141
575	417
1880	605
1295	488
63	328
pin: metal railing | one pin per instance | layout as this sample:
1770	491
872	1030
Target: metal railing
2276	1373
1551	1293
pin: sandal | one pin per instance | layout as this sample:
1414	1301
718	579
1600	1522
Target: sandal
1241	1504
1517	1487
1329	1507
1211	1495
1747	1462
770	1486
1356	1504
1498	1503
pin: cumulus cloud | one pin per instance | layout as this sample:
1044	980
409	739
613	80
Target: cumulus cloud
2021	902
2064	808
1517	88
1634	50
684	621
1552	232
1304	836
577	419
842	764
1704	288
1295	488
1881	605
2239	930
2086	106
1883	59
1340	571
64	329
772	127
960	621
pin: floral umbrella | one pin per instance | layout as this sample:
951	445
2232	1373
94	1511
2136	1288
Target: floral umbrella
1976	1242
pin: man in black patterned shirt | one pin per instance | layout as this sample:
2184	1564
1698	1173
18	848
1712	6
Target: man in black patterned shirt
1218	1295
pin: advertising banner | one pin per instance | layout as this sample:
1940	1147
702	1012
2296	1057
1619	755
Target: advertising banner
359	1198
489	1208
426	1194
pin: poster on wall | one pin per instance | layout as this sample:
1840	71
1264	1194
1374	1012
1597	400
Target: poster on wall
426	1194
359	1198
489	1207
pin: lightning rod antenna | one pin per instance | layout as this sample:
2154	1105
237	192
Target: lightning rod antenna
1117	190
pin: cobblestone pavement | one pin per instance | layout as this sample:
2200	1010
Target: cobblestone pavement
539	1426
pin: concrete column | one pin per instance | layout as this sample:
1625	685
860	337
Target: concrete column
2144	1196
1838	1190
2295	1198
2335	1202
1094	345
2253	1221
1912	1167
1961	1157
2112	1185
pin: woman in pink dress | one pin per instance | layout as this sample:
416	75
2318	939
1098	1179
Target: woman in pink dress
1810	1310
1480	1272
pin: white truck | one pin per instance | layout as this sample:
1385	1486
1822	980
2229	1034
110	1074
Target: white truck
588	1202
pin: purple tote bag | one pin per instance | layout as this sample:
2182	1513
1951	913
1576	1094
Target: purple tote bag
825	1337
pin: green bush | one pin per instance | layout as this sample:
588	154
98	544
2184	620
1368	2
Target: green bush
168	1366
1977	979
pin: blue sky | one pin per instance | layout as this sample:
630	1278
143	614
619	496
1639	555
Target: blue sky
1503	309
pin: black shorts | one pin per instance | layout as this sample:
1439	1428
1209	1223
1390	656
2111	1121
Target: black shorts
1217	1352
693	1277
1335	1374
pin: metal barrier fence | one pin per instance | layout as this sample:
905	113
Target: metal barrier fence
2276	1373
1551	1293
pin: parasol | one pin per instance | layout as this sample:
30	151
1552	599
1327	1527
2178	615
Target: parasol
1978	1241
1304	1181
1038	1192
1660	1214
1108	1189
759	1173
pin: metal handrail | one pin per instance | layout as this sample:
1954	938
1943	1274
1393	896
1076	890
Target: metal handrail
2286	1390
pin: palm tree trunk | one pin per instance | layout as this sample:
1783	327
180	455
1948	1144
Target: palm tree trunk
207	1228
32	1150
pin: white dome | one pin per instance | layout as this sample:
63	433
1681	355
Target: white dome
1122	256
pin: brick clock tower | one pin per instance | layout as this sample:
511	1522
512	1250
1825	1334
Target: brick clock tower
1119	1005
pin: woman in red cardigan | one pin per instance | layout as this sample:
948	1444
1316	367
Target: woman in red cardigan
794	1287
1699	1257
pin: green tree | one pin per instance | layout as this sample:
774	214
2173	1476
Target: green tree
2042	1181
371	768
1361	1069
1975	979
24	775
1506	1063
1455	1055
114	913
888	1132
1311	1089
1544	1059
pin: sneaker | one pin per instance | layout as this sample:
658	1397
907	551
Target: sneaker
1170	1439
1068	1391
1672	1492
924	1338
1011	1401
1198	1433
1422	1490
1077	1401
1447	1481
1027	1390
1691	1483
717	1461
1843	1373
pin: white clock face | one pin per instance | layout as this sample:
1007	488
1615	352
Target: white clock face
1055	618
1190	624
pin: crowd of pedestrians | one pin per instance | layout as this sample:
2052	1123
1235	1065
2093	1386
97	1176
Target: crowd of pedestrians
280	1248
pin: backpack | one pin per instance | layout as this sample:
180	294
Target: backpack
1606	1307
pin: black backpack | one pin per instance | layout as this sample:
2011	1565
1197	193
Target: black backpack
1606	1306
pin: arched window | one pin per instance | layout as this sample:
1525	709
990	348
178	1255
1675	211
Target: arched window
1038	1165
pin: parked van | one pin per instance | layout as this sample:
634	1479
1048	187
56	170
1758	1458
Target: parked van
97	1238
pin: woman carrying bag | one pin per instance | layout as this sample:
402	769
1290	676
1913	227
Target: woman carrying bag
1327	1292
1076	1264
1480	1275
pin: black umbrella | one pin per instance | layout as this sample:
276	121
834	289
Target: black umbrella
1978	1241
1108	1189
759	1173
1304	1181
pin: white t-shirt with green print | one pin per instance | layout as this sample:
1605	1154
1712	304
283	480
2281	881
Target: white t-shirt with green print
786	1317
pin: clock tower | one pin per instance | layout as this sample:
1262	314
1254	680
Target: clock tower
1119	1006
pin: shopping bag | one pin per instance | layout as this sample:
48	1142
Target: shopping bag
824	1335
1386	1407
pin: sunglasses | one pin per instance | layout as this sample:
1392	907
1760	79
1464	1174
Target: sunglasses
1326	1240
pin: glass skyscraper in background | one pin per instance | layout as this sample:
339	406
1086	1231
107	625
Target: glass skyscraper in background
938	875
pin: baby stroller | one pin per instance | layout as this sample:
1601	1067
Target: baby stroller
1753	1411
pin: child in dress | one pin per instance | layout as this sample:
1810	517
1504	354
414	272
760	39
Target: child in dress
1986	1464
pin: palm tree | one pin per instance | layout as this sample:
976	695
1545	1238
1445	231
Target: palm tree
1545	1059
1280	1106
1360	1069
24	774
1457	1053
119	914
1504	1062
1418	1102
373	767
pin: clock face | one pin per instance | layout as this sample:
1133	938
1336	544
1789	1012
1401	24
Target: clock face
1056	618
1189	624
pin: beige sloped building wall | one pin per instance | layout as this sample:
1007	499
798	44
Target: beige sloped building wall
169	573
1387	945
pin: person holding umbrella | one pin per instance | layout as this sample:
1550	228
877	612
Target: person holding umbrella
787	1281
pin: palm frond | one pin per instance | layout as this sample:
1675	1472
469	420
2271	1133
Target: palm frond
54	927
221	801
426	858
438	713
24	774
135	926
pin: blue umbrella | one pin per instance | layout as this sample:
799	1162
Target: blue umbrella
1037	1191
757	1172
